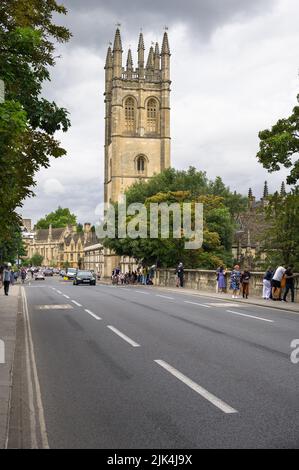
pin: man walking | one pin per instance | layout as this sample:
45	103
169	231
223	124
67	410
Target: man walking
289	275
6	279
180	274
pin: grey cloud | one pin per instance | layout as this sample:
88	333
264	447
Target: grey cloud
93	22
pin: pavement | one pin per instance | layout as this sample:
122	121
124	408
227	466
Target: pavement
144	367
8	319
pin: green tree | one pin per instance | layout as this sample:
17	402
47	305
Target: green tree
281	239
280	144
28	121
58	219
179	186
36	259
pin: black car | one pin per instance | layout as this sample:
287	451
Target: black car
84	277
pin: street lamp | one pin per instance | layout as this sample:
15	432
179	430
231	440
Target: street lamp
239	234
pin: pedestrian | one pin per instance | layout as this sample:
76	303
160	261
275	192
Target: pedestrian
180	274
245	278
290	283
276	282
267	283
221	279
235	281
23	275
6	278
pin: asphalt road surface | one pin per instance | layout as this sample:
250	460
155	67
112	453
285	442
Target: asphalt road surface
138	367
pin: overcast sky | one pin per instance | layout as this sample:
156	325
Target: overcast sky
234	71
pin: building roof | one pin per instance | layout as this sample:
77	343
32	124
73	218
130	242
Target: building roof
42	234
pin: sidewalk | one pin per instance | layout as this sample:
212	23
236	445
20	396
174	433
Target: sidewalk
287	306
8	318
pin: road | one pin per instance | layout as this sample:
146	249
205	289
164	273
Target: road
138	367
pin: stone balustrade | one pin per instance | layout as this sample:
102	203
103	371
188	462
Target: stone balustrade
205	280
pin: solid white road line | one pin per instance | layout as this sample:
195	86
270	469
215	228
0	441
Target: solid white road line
40	409
196	303
141	292
66	296
126	338
164	297
92	314
197	388
250	316
76	303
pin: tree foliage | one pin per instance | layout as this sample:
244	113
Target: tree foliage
191	186
279	146
36	259
28	121
281	239
58	219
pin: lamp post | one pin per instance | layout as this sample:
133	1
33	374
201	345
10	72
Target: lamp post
239	234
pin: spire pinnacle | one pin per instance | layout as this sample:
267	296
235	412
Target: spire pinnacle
165	44
266	192
250	193
140	42
150	59
117	41
129	60
108	63
283	189
157	57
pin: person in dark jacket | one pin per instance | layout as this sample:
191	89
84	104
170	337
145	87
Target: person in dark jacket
245	278
180	274
290	284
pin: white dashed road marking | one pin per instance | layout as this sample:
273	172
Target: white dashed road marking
124	337
197	388
164	297
66	296
141	292
250	316
76	303
92	314
196	303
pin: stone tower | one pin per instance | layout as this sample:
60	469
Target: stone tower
137	116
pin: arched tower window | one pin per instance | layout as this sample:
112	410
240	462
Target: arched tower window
152	115
141	164
130	114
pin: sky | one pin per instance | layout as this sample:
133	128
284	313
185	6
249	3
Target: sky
234	72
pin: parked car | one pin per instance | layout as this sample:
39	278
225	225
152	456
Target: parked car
84	277
71	273
62	272
39	276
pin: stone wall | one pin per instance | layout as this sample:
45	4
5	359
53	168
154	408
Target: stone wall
205	280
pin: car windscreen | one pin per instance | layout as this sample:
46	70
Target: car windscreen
84	273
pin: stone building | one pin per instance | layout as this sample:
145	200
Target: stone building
59	246
137	119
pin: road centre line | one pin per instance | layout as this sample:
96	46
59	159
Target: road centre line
59	291
124	337
141	292
196	303
197	388
165	297
250	316
76	303
92	314
66	296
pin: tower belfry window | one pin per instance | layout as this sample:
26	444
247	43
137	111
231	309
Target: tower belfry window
130	114
141	164
152	114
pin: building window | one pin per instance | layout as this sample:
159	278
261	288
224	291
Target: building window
141	164
152	116
130	114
